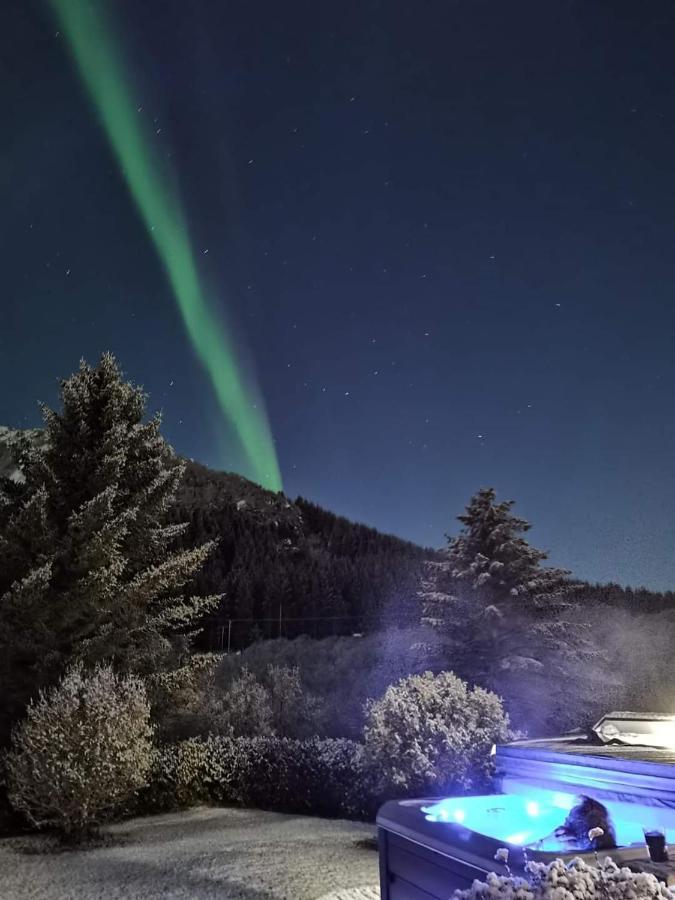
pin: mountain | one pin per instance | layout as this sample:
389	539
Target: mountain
283	567
290	568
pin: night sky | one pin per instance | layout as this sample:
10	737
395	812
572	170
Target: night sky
445	232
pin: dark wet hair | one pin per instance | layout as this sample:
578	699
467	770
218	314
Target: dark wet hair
588	814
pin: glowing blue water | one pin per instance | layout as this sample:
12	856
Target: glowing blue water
524	820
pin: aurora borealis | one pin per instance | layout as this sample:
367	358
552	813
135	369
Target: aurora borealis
102	71
440	235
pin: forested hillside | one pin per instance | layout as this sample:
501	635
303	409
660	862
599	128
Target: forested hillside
292	568
287	568
284	568
635	600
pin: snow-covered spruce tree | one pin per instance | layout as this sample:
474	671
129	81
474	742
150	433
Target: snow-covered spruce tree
87	565
510	624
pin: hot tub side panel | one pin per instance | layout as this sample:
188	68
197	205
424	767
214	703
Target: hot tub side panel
411	871
417	862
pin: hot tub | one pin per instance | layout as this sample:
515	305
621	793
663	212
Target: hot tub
429	847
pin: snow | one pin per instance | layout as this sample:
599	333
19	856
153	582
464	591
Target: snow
229	854
363	893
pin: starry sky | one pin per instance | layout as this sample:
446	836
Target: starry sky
444	232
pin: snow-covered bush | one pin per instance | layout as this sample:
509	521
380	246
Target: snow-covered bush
337	674
254	705
295	712
324	777
182	699
189	702
575	880
6	811
245	710
188	773
432	733
83	749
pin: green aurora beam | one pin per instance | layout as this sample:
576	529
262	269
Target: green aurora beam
102	72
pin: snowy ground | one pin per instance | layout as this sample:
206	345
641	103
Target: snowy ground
228	854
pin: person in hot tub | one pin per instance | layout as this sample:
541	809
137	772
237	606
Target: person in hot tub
587	816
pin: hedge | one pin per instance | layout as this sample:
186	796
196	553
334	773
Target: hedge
314	776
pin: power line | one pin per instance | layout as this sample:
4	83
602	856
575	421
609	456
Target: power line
226	645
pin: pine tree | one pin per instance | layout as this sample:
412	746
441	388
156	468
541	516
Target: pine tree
87	565
509	623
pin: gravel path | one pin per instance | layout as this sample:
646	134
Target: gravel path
228	854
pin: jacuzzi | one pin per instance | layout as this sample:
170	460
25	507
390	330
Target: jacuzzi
429	847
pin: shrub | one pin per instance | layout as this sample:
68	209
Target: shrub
432	733
82	751
322	777
337	674
7	814
245	709
295	712
190	703
185	774
182	699
576	879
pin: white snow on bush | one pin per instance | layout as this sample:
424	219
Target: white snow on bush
572	881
